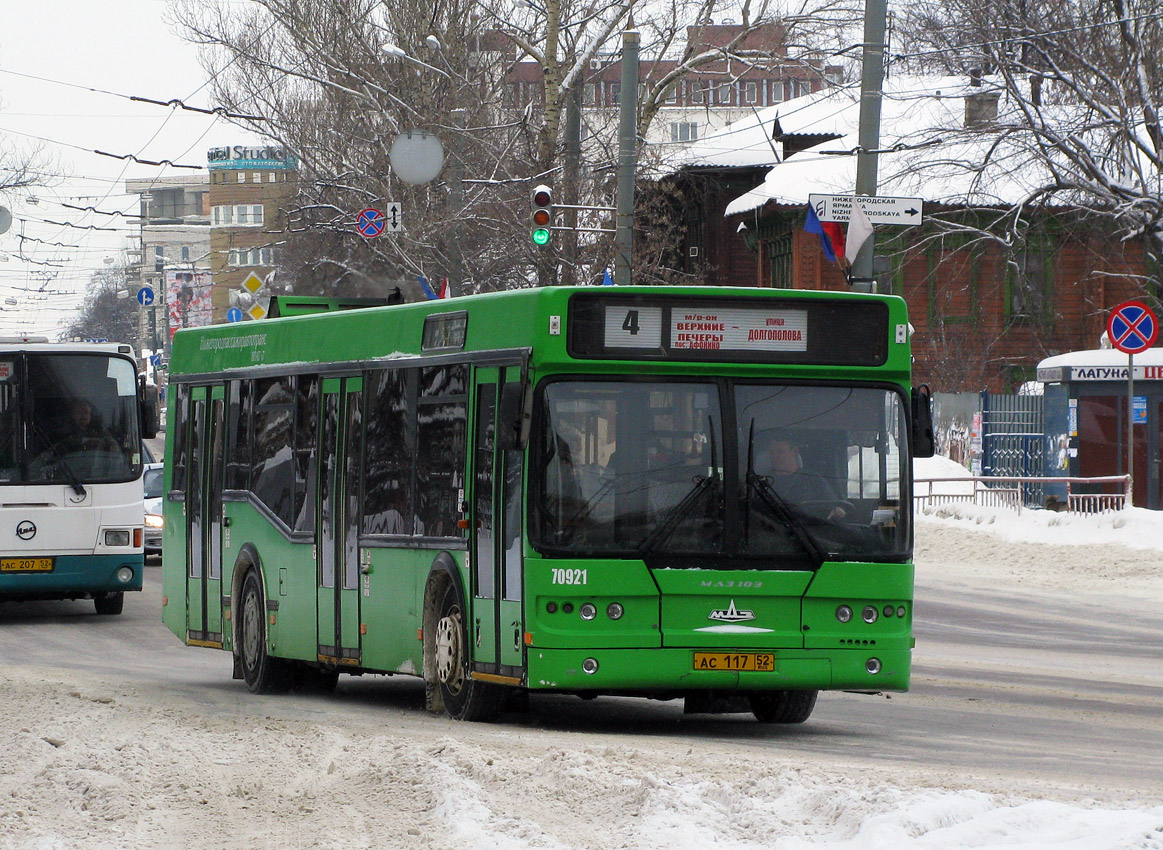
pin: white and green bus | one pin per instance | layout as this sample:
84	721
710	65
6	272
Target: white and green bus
72	417
563	489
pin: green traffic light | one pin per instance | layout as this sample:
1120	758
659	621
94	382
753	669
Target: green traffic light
541	235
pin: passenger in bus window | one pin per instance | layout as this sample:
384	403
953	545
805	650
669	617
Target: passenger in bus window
778	458
86	433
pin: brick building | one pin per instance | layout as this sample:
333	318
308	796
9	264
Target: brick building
986	307
250	188
705	100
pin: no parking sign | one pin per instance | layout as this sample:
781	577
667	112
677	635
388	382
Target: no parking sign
1132	327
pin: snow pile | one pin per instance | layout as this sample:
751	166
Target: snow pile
1135	528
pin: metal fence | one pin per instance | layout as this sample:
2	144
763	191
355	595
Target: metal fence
1010	492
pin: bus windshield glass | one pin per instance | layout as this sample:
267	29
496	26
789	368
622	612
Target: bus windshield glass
68	419
722	473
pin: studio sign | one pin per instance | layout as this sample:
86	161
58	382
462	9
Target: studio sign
243	152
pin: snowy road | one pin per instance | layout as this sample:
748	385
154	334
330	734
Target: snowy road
1037	677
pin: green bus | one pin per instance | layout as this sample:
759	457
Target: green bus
564	489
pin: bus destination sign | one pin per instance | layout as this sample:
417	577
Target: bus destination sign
738	329
744	330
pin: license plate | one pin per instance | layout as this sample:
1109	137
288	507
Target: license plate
25	565
760	662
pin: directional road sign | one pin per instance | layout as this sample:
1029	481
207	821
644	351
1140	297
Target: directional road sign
1132	327
145	296
234	315
370	222
900	211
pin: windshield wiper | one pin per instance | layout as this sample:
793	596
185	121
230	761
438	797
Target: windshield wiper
675	515
74	481
775	503
783	512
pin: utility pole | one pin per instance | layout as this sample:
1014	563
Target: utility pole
570	175
456	204
627	158
871	94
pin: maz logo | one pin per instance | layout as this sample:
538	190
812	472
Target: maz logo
731	614
25	530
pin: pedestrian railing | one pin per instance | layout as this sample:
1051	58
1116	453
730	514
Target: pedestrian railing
1083	495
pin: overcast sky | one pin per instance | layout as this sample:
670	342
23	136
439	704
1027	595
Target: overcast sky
67	69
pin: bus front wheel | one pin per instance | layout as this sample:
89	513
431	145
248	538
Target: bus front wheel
262	673
464	698
783	706
109	603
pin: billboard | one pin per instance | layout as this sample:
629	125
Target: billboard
188	299
243	156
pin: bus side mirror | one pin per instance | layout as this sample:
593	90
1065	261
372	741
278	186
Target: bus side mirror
147	408
923	443
513	417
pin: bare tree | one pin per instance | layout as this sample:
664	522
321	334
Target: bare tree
1081	83
23	168
107	311
337	81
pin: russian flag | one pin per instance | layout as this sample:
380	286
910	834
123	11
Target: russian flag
445	292
830	233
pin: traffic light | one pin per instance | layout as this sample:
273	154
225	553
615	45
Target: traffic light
542	214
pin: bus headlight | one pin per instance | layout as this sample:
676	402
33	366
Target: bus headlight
125	575
117	537
872	665
615	610
588	611
870	614
590	666
154	521
843	613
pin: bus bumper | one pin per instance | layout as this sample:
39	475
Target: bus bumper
76	576
647	671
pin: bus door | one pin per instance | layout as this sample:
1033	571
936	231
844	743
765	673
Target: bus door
337	523
206	421
498	607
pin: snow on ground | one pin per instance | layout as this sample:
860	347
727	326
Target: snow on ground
101	769
88	764
1118	549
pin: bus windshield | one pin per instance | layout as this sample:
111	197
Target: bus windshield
68	419
720	473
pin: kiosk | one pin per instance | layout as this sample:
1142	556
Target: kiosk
1086	419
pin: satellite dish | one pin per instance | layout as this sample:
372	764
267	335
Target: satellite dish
417	157
5	219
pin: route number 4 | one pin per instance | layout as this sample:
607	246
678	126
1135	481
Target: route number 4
631	322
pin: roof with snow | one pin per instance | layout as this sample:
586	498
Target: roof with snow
927	151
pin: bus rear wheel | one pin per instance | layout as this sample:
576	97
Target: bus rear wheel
109	603
262	673
464	698
783	706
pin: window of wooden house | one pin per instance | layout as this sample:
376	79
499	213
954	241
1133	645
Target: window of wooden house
1030	275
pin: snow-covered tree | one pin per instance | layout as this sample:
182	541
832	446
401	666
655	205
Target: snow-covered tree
1081	86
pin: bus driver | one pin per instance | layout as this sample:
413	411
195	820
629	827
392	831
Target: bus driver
779	459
